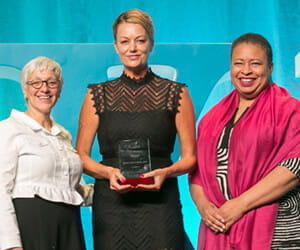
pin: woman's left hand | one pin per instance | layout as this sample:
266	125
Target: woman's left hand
159	176
232	211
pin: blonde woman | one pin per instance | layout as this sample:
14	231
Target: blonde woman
138	106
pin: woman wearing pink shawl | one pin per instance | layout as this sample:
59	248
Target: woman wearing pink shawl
246	184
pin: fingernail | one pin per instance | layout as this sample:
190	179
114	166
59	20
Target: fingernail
141	176
124	180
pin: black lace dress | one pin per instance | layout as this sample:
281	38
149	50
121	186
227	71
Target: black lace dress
129	109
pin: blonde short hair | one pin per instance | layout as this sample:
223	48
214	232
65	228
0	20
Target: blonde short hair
138	17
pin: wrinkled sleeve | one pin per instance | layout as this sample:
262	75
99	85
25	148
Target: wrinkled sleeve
9	232
291	136
194	177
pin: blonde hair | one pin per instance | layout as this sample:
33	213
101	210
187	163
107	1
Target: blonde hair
41	63
138	17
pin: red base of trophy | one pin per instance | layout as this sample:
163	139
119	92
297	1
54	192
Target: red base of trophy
136	181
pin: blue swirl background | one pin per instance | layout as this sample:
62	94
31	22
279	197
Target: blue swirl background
192	36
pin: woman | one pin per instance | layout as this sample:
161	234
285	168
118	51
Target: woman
137	105
246	185
39	169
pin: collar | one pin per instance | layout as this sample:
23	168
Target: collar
138	82
21	117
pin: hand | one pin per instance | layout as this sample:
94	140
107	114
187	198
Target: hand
115	179
159	176
211	216
232	211
85	190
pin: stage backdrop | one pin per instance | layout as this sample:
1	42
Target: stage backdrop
203	67
176	21
191	36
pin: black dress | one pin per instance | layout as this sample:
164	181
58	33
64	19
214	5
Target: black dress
129	109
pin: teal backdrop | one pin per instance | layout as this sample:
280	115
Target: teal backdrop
193	36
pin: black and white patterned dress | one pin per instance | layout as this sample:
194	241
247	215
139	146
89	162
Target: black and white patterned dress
287	230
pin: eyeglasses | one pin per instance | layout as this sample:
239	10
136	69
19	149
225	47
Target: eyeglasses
38	84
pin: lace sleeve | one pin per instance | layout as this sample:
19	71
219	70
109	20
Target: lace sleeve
97	91
174	98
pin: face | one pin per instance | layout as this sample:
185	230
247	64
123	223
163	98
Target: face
43	99
133	46
250	71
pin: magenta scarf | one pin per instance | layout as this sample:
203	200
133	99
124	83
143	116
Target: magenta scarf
267	134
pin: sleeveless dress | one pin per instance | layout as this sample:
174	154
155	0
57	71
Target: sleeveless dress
130	109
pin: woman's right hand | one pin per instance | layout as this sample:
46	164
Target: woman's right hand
211	216
116	179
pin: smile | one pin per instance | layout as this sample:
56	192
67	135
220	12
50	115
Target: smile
134	57
44	97
247	82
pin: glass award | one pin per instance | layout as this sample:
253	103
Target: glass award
134	160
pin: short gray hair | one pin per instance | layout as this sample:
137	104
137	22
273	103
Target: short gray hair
41	63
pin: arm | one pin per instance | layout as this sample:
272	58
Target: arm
88	125
9	231
273	186
185	124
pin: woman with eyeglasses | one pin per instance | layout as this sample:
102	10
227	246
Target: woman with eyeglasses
39	170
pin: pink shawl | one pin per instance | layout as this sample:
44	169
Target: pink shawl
267	134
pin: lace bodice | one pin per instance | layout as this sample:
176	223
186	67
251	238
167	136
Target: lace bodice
130	108
129	95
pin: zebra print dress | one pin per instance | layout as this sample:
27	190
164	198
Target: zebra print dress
287	230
